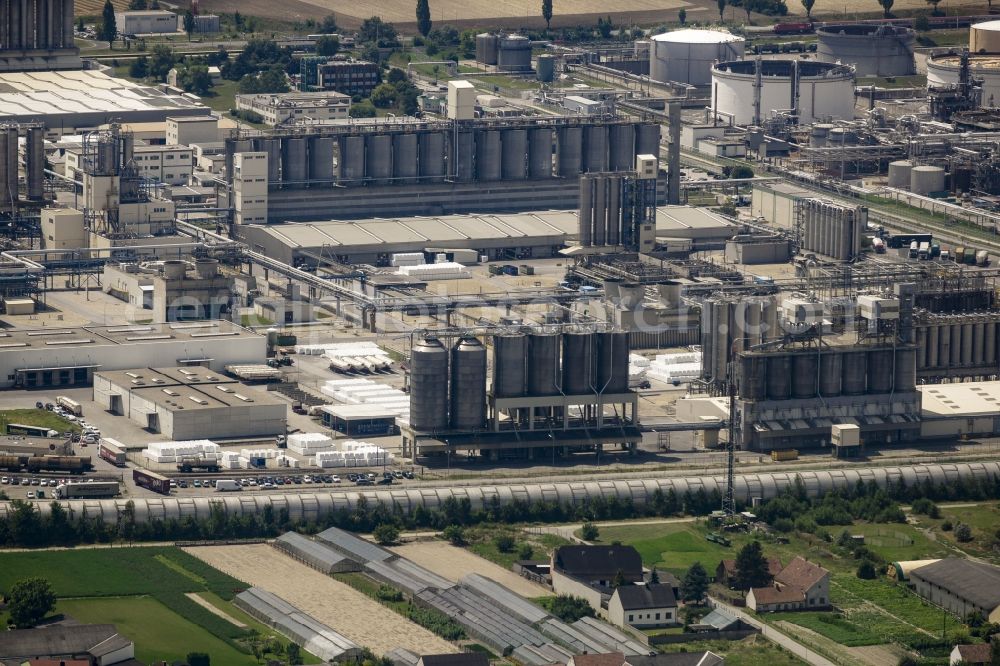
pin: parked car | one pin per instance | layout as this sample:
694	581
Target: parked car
386	481
362	481
408	474
31	495
335	479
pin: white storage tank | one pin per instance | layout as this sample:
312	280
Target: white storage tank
874	50
985	37
826	91
899	174
687	56
926	179
942	71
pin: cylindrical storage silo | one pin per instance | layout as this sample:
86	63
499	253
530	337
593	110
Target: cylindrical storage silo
926	179
488	157
854	365
487	48
990	352
600	210
431	145
352	160
569	153
34	149
544	377
540	153
468	384
429	385
880	370
174	269
321	161
378	158
206	268
978	343
578	363
932	345
905	375
874	49
514	154
510	353
463	154
686	56
831	371
921	347
805	375
595	148
944	345
514	54
546	68
272	146
647	139
405	158
585	221
295	162
5	194
899	174
611	362
622	150
779	377
613	219
967	344
957	342
754	376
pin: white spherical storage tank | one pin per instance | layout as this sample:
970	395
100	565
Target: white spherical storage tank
687	56
942	71
825	90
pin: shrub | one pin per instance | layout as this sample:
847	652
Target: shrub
386	534
963	533
388	593
866	570
783	525
525	551
589	531
454	534
946	526
504	543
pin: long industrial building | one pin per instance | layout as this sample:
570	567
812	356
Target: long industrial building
315	505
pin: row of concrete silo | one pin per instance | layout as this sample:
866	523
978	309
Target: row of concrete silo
953	342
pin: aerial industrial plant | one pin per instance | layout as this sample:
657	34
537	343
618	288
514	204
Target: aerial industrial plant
371	276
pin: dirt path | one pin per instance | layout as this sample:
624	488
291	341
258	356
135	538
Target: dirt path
453	563
342	608
877	655
211	608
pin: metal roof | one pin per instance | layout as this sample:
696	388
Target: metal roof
975	582
959	400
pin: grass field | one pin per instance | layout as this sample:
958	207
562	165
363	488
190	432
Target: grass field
751	651
159	633
480	541
834	626
983	518
142	590
42	418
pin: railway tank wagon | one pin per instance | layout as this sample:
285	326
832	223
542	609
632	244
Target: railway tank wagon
314	506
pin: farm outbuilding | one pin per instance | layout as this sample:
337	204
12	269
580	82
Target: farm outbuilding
316	555
901	570
960	586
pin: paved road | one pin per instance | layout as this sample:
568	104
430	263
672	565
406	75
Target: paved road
775	636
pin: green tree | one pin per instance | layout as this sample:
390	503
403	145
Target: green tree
654	576
384	96
139	68
294	654
80	25
604	27
963	533
547	13
386	534
378	32
886	6
395	76
423	17
327	46
363	109
525	551
589	531
454	534
189	23
195	79
198	659
328	25
934	4
866	570
109	27
721	4
161	62
808	6
504	543
682	16
137	5
751	567
570	609
694	587
29	601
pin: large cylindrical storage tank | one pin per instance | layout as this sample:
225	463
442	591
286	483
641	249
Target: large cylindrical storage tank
174	269
5	194
855	366
899	174
933	333
378	158
540	153
647	139
621	155
321	160
905	375
488	157
956	343
429	385
831	371
544	377
431	146
352	160
515	54
880	371
984	37
873	49
34	150
805	369
779	377
926	179
578	363
295	162
944	345
487	48
611	374
405	154
600	210
463	153
754	375
468	384
825	90
569	151
514	154
595	148
585	221
510	353
943	71
546	68
686	56
206	268
272	146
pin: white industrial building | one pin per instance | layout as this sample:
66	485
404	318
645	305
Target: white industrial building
171	165
297	108
189	403
146	22
35	358
188	130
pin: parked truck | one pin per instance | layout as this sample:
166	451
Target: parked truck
190	463
80	490
924	251
982	258
151	481
227	485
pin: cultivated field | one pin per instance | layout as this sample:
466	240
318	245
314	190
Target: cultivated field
454	563
345	610
93	7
